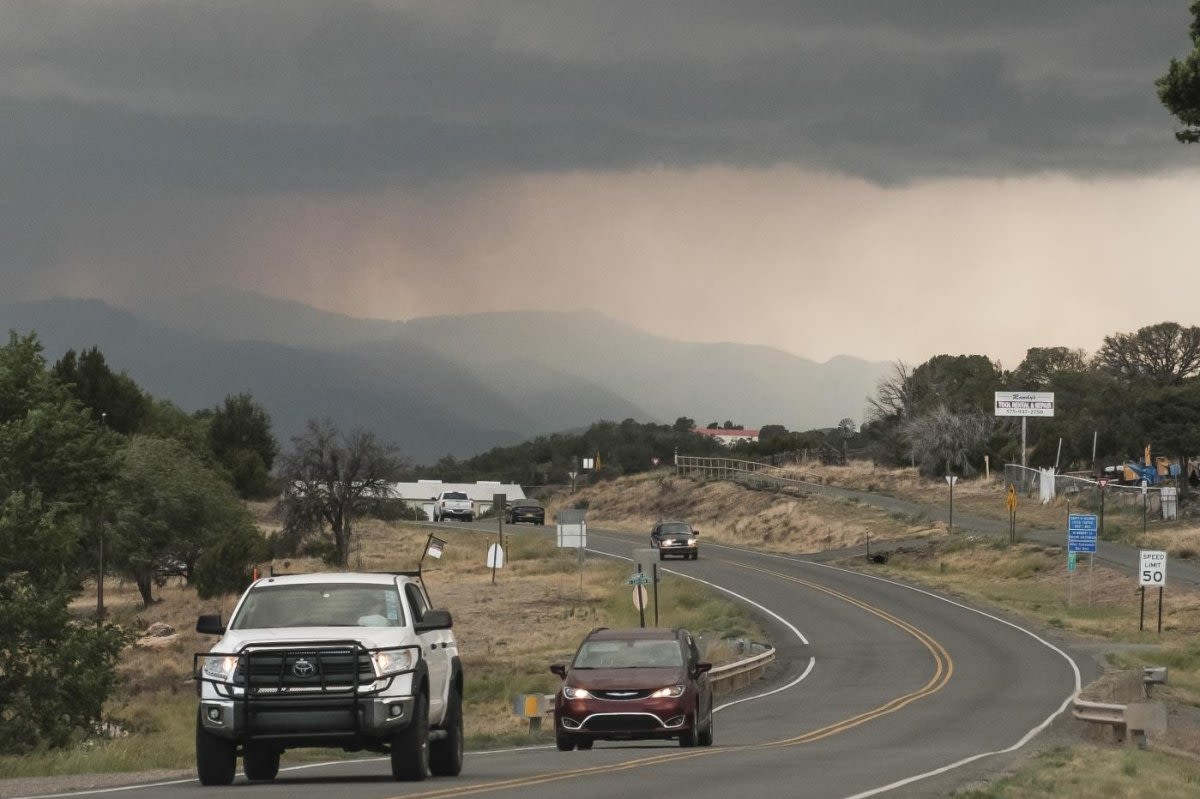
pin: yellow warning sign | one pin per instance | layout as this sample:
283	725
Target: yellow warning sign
1011	501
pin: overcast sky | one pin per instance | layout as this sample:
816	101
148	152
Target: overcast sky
885	179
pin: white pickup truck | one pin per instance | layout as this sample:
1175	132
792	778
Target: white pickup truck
357	661
453	505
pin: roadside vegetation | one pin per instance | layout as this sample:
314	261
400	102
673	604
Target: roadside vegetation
509	632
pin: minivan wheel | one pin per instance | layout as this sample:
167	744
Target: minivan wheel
564	742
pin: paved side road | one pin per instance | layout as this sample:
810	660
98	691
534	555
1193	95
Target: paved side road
1119	556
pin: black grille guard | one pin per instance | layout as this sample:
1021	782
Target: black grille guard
256	677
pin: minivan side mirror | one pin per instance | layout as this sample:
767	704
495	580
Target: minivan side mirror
560	670
210	624
701	668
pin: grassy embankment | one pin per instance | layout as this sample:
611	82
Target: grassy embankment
509	632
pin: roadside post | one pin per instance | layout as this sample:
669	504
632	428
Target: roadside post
654	571
1152	571
499	501
1081	537
639	580
1010	502
572	534
951	479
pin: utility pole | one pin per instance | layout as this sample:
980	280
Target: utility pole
100	565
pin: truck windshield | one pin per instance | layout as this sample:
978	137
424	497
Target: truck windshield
320	605
454	495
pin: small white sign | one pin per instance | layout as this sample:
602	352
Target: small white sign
1153	568
588	463
640	597
1024	403
495	558
951	479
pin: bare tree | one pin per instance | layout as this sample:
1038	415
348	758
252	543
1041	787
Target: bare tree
1165	354
329	479
941	438
893	394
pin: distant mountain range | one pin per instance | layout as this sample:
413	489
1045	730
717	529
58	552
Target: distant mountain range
444	385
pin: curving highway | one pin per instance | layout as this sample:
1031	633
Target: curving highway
878	689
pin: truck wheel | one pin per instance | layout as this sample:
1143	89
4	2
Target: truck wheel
446	755
410	746
470	518
260	762
216	758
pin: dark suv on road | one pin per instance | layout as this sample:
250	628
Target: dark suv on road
634	684
675	538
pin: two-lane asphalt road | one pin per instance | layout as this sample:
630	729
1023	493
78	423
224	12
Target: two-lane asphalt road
877	688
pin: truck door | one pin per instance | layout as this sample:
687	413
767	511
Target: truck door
435	648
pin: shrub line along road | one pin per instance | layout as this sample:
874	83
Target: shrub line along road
885	688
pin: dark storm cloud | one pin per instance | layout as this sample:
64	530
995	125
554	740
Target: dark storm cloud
260	95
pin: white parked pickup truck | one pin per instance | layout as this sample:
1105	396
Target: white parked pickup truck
453	505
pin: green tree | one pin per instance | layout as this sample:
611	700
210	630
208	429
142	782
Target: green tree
171	506
113	397
54	673
330	479
1041	364
1179	88
239	434
683	424
1164	354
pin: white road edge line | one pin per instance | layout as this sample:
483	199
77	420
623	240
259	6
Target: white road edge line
812	662
967	760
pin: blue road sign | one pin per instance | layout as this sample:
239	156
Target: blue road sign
1081	532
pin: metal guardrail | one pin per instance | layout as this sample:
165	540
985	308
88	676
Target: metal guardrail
732	676
1099	712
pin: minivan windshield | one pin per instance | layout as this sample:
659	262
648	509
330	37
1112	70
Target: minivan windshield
632	654
320	605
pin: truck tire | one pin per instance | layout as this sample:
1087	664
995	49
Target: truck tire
410	746
446	754
260	763
216	758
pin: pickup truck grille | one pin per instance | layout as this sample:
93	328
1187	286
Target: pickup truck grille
275	670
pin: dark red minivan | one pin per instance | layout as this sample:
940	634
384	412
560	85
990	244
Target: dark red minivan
634	684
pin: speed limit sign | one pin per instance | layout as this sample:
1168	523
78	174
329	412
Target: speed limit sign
1152	570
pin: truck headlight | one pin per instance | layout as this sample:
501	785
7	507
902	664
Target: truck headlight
394	661
220	667
670	691
691	542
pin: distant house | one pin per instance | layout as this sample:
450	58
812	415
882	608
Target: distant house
727	437
422	493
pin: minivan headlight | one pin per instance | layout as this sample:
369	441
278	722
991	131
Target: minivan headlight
670	691
394	661
571	692
220	667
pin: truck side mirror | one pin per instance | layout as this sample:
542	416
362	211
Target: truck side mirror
210	624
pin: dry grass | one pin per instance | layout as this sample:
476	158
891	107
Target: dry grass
733	514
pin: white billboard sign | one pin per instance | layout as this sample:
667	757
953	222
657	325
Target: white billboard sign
1152	570
1024	403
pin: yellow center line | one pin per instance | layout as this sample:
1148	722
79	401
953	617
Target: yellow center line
943	671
